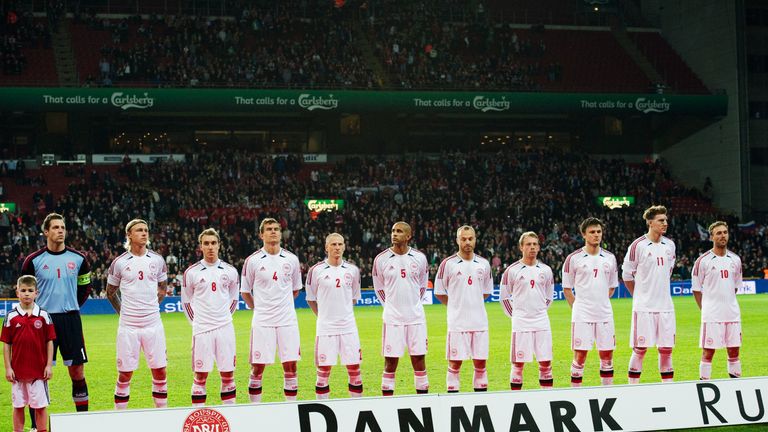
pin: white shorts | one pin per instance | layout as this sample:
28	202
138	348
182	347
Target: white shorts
32	393
219	345
132	340
716	335
467	345
395	338
527	343
346	346
652	329
585	334
264	341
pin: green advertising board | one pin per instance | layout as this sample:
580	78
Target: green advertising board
318	205
7	207
614	202
318	101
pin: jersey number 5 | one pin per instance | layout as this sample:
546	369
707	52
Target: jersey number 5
402	273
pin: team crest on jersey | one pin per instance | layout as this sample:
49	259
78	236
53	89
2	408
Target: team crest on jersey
414	266
606	267
71	265
733	266
348	278
287	268
153	267
480	273
670	254
542	277
205	419
38	324
224	278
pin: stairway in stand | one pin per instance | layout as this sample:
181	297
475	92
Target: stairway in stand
65	57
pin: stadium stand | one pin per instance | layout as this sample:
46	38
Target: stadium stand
544	191
25	48
416	45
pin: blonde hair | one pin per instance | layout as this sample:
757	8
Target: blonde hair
653	211
210	232
132	223
268	221
328	237
27	280
528	234
716	224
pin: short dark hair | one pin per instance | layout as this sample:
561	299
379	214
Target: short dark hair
588	222
51	217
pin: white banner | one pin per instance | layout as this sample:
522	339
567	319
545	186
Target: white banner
747	287
628	408
144	158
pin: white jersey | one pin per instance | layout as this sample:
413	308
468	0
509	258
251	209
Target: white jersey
271	280
335	289
591	277
138	278
400	282
526	293
209	295
465	282
650	265
718	277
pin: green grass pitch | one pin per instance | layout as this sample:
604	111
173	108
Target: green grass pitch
100	331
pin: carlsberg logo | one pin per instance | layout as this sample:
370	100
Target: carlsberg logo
124	101
485	104
645	106
311	103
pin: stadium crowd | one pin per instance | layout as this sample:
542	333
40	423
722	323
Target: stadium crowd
422	48
544	191
20	30
447	45
263	44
